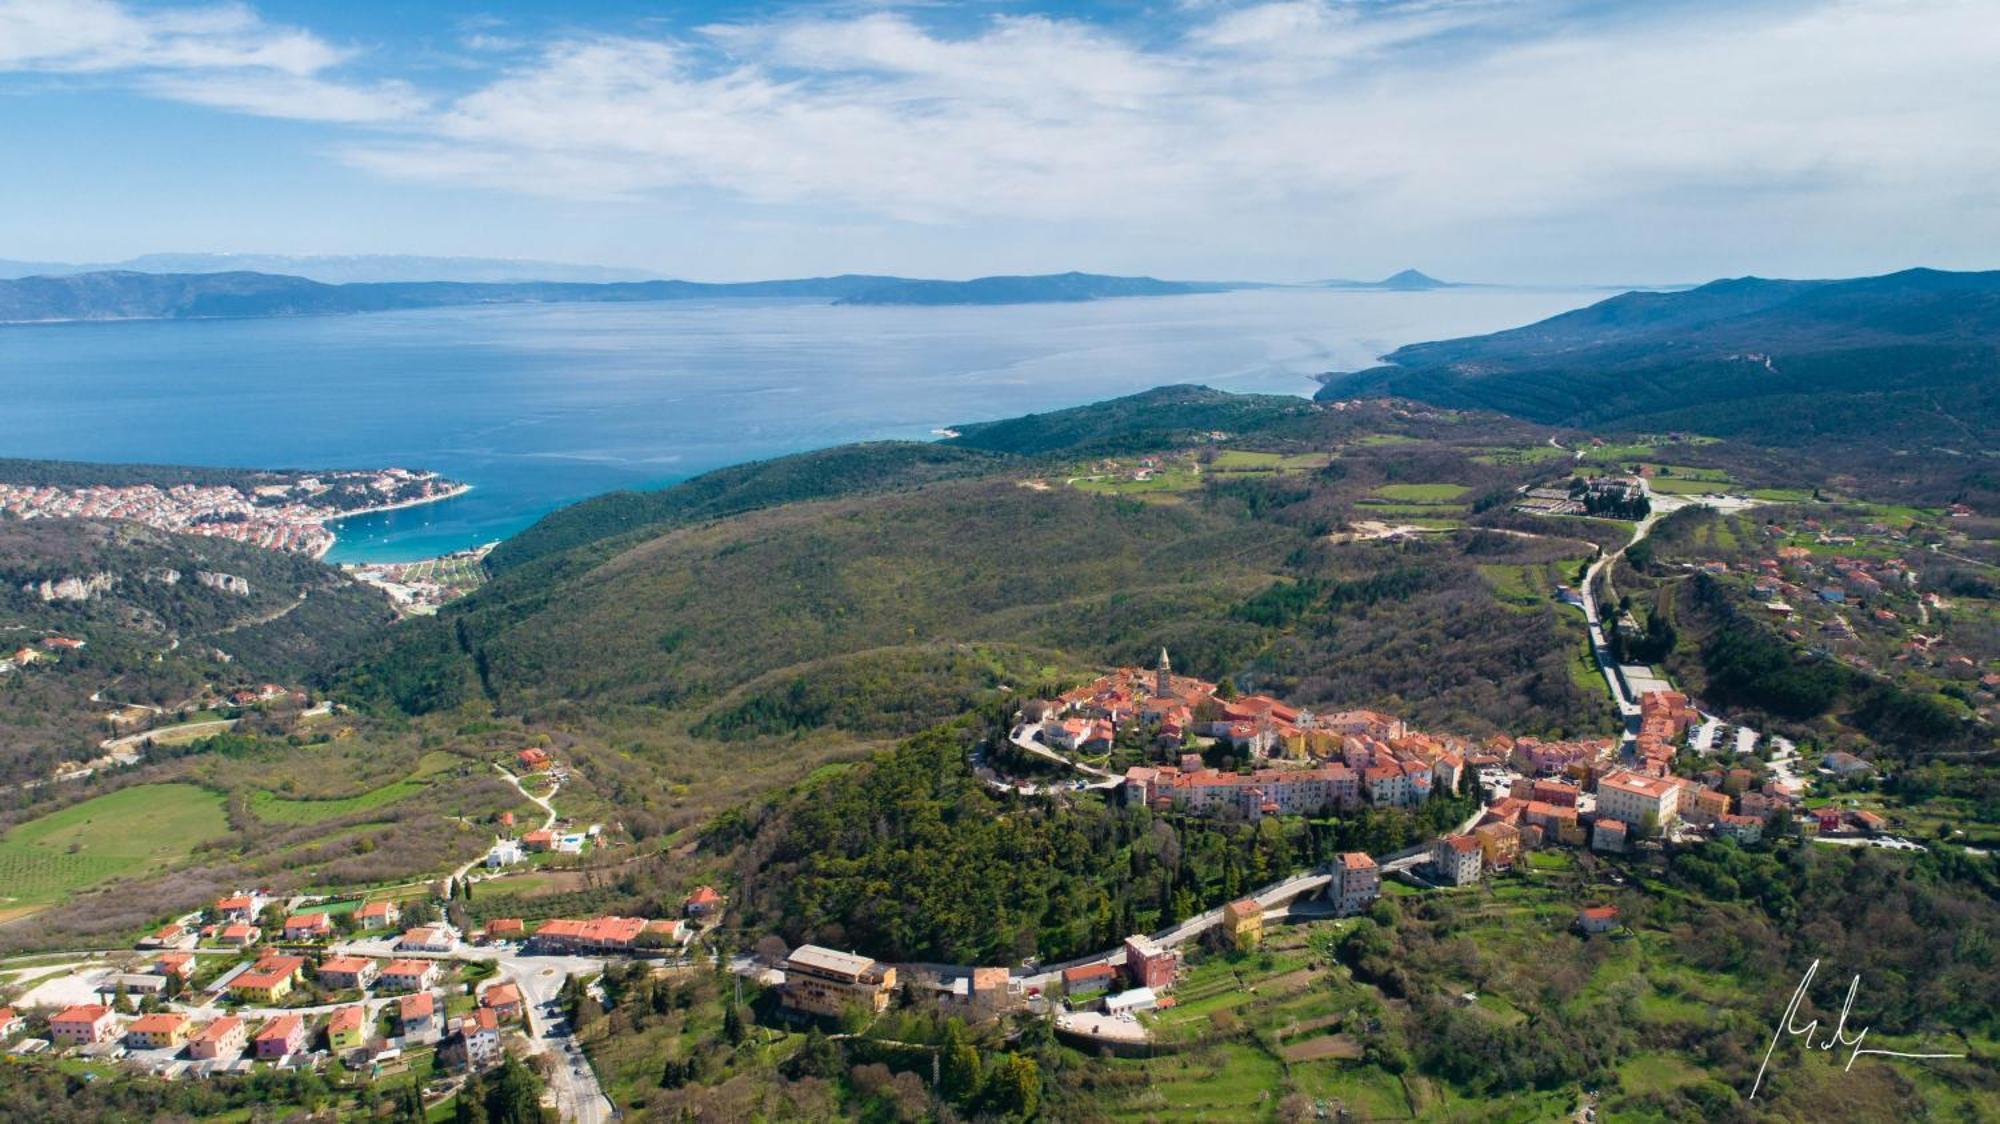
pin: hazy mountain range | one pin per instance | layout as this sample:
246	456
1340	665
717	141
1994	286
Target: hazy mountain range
144	295
340	269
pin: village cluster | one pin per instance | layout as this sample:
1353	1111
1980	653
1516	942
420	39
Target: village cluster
1842	597
280	516
256	982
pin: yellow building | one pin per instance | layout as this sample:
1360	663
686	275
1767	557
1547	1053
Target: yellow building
822	981
1500	843
1243	920
164	1031
265	986
347	1029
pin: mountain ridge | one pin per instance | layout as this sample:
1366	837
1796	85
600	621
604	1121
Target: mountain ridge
1795	360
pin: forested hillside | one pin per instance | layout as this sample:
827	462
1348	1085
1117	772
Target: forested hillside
1904	360
753	622
154	631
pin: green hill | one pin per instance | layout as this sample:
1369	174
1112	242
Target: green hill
1908	360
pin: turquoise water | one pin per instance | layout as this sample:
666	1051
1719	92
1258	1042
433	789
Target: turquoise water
539	406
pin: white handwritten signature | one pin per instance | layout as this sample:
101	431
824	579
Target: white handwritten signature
1788	1025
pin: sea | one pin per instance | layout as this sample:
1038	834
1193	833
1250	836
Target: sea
539	406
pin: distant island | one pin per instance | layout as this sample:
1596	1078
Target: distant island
339	269
1045	288
1407	281
139	295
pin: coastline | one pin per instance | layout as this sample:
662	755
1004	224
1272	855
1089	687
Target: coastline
334	534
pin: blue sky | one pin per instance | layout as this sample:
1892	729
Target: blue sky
1532	140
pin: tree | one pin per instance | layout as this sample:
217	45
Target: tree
732	1024
959	1065
819	1057
1015	1086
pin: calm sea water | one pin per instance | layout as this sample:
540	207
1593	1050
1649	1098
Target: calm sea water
542	406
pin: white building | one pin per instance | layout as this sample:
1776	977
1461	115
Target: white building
1631	797
1458	860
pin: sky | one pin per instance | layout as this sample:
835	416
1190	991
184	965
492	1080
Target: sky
1535	141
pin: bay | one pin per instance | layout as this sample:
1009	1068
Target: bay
538	406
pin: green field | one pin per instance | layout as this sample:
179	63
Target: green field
1422	493
125	832
271	808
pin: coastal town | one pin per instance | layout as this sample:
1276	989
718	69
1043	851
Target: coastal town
275	511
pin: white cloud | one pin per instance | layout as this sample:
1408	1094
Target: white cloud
1321	124
223	56
1404	113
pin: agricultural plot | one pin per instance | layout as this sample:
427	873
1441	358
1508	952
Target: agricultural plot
272	808
1422	493
126	832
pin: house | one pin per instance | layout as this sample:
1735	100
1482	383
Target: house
823	981
1608	835
505	852
281	1037
347	1029
417	1017
532	759
475	1044
1869	822
171	935
540	839
1844	765
1499	844
1634	799
1555	792
1598	919
1149	964
409	975
1743	829
223	1038
1243	921
503	999
82	1025
702	903
1458	860
166	1030
178	964
378	915
239	935
348	972
308	926
10	1023
430	938
242	907
1356	882
267	981
1707	804
506	929
1087	979
600	934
